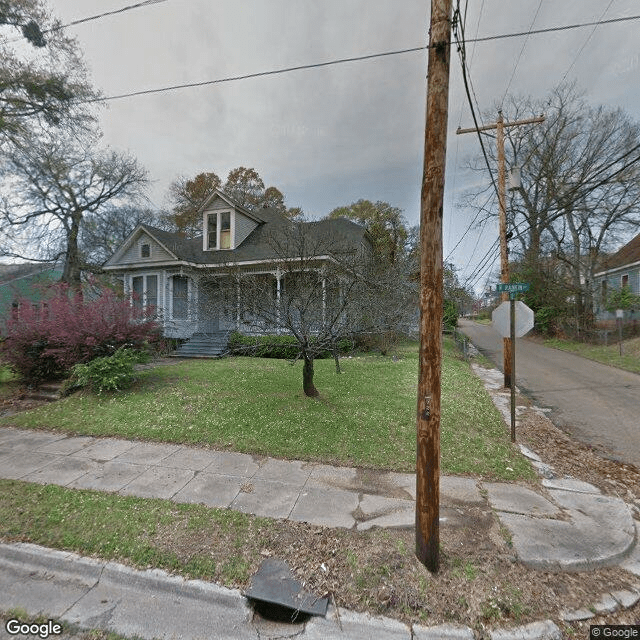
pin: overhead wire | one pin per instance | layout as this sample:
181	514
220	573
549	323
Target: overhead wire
597	24
98	16
338	61
524	44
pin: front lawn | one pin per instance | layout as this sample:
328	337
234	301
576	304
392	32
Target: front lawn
364	416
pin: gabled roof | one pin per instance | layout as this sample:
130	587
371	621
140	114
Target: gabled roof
626	256
223	196
257	247
156	234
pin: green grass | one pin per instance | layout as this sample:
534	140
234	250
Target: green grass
364	417
630	359
132	529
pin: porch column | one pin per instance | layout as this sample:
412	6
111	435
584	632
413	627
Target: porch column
278	275
324	302
238	303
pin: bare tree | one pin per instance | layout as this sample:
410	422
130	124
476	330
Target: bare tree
580	190
51	185
322	284
104	230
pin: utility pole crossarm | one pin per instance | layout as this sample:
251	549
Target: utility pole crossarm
487	127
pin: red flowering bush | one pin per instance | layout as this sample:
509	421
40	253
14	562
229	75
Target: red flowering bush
44	341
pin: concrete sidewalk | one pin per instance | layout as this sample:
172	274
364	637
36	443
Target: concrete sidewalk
565	524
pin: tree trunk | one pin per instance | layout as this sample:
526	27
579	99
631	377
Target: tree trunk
307	377
71	272
336	356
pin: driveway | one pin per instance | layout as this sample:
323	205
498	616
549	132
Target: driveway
596	404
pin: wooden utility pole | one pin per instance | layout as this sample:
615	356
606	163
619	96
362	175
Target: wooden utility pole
499	126
431	273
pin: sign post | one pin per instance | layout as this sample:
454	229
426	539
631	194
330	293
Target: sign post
619	317
513	319
512	331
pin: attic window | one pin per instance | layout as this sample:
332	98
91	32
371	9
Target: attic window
145	250
219	230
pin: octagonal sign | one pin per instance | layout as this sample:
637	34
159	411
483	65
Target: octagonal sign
502	323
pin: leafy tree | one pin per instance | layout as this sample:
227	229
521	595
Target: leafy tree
454	293
244	186
52	185
385	224
187	196
622	298
43	80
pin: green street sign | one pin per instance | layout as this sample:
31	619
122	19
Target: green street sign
513	287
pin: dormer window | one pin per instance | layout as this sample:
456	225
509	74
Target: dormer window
219	230
225	230
145	250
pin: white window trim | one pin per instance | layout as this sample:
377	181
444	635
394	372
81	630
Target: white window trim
205	227
144	277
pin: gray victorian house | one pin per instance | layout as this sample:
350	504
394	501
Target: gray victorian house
181	277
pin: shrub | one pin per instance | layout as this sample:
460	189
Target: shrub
450	315
546	320
109	373
285	347
45	341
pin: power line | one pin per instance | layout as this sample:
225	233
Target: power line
259	74
586	41
105	14
524	44
189	85
566	27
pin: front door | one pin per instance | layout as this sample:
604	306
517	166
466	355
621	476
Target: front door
209	303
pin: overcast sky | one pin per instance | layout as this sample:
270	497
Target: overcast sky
330	136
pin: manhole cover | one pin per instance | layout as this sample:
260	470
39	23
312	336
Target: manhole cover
273	583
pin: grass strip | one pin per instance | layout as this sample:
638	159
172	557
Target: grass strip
610	354
128	529
364	417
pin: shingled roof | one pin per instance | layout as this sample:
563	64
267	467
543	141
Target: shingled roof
258	246
627	255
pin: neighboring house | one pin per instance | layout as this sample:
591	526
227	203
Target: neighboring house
24	282
181	276
622	269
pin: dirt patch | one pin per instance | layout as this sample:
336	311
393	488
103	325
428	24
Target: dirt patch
568	457
480	583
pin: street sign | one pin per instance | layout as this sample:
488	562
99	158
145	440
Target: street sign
513	287
501	319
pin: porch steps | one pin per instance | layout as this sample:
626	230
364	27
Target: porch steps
203	345
46	392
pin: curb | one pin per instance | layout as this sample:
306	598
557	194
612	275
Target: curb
31	559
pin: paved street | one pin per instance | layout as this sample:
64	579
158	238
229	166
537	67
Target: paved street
597	404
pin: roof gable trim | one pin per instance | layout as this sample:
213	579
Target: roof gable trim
126	245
